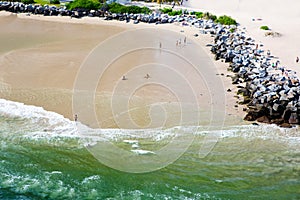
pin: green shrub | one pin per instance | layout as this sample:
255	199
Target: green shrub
166	10
171	12
54	2
198	14
28	1
232	30
175	12
208	15
264	28
86	4
118	8
226	20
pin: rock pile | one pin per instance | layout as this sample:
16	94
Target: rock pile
46	10
270	91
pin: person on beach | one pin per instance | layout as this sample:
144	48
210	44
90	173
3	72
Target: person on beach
173	4
147	76
297	59
124	78
184	40
160	45
75	117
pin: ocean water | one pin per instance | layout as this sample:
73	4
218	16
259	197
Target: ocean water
45	156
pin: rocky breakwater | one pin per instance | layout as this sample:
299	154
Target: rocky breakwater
270	91
51	10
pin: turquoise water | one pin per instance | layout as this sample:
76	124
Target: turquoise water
43	157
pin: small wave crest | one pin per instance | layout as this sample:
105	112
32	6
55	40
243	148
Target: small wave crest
41	124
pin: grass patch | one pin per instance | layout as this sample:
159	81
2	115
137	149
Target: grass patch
264	28
55	2
225	20
208	15
118	8
198	14
48	2
166	10
85	4
28	1
232	30
171	12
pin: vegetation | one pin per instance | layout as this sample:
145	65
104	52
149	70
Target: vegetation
85	4
118	8
41	2
225	20
264	28
54	2
198	14
28	1
172	12
166	10
232	30
208	15
175	12
165	1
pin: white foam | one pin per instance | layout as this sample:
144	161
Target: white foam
37	115
131	141
135	146
50	125
90	178
142	152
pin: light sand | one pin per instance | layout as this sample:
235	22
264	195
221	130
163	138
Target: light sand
281	16
43	73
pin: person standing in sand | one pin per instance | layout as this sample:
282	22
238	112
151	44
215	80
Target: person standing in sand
147	76
297	59
75	117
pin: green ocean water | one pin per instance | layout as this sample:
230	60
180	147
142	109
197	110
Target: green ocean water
42	157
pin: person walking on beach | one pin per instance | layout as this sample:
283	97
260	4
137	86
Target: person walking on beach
160	45
297	59
147	76
184	40
173	4
75	117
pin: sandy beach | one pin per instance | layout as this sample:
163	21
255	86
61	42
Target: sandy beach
280	16
56	48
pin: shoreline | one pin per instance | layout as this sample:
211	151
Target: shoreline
190	33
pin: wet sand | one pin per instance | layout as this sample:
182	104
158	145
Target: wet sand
41	59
